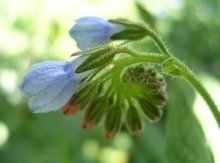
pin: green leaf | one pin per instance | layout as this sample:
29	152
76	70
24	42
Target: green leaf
185	139
146	16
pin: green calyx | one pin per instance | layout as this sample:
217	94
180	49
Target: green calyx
172	66
134	120
113	120
97	58
94	113
131	31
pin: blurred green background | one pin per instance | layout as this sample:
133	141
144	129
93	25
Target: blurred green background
37	30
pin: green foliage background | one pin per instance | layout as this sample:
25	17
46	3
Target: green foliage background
33	31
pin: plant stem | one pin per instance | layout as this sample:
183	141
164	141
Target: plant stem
188	75
203	92
158	41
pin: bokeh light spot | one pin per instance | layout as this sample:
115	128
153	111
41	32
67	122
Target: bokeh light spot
4	134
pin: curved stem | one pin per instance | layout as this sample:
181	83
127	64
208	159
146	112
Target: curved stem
158	41
203	92
188	75
150	58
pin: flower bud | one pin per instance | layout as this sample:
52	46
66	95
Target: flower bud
94	113
153	112
134	121
151	94
146	76
90	32
83	95
113	121
51	84
69	109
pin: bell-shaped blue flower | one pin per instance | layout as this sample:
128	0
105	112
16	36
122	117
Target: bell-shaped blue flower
90	32
51	84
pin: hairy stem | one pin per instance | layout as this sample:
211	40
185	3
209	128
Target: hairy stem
158	41
188	75
203	92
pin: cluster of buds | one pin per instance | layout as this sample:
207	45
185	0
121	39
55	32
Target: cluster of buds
151	95
146	96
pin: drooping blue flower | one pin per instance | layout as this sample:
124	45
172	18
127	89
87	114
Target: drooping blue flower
50	84
90	32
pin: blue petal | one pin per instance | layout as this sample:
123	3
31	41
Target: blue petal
44	74
40	76
92	20
90	32
51	100
51	84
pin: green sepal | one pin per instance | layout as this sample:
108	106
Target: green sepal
129	34
153	112
125	23
84	95
93	51
155	97
96	60
113	121
145	15
134	120
94	113
131	31
171	67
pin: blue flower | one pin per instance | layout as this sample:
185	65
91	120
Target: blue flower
90	32
51	84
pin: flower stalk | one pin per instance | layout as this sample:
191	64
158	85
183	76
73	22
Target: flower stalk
193	80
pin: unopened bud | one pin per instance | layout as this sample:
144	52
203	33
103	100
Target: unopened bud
70	109
113	121
93	113
134	121
153	112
